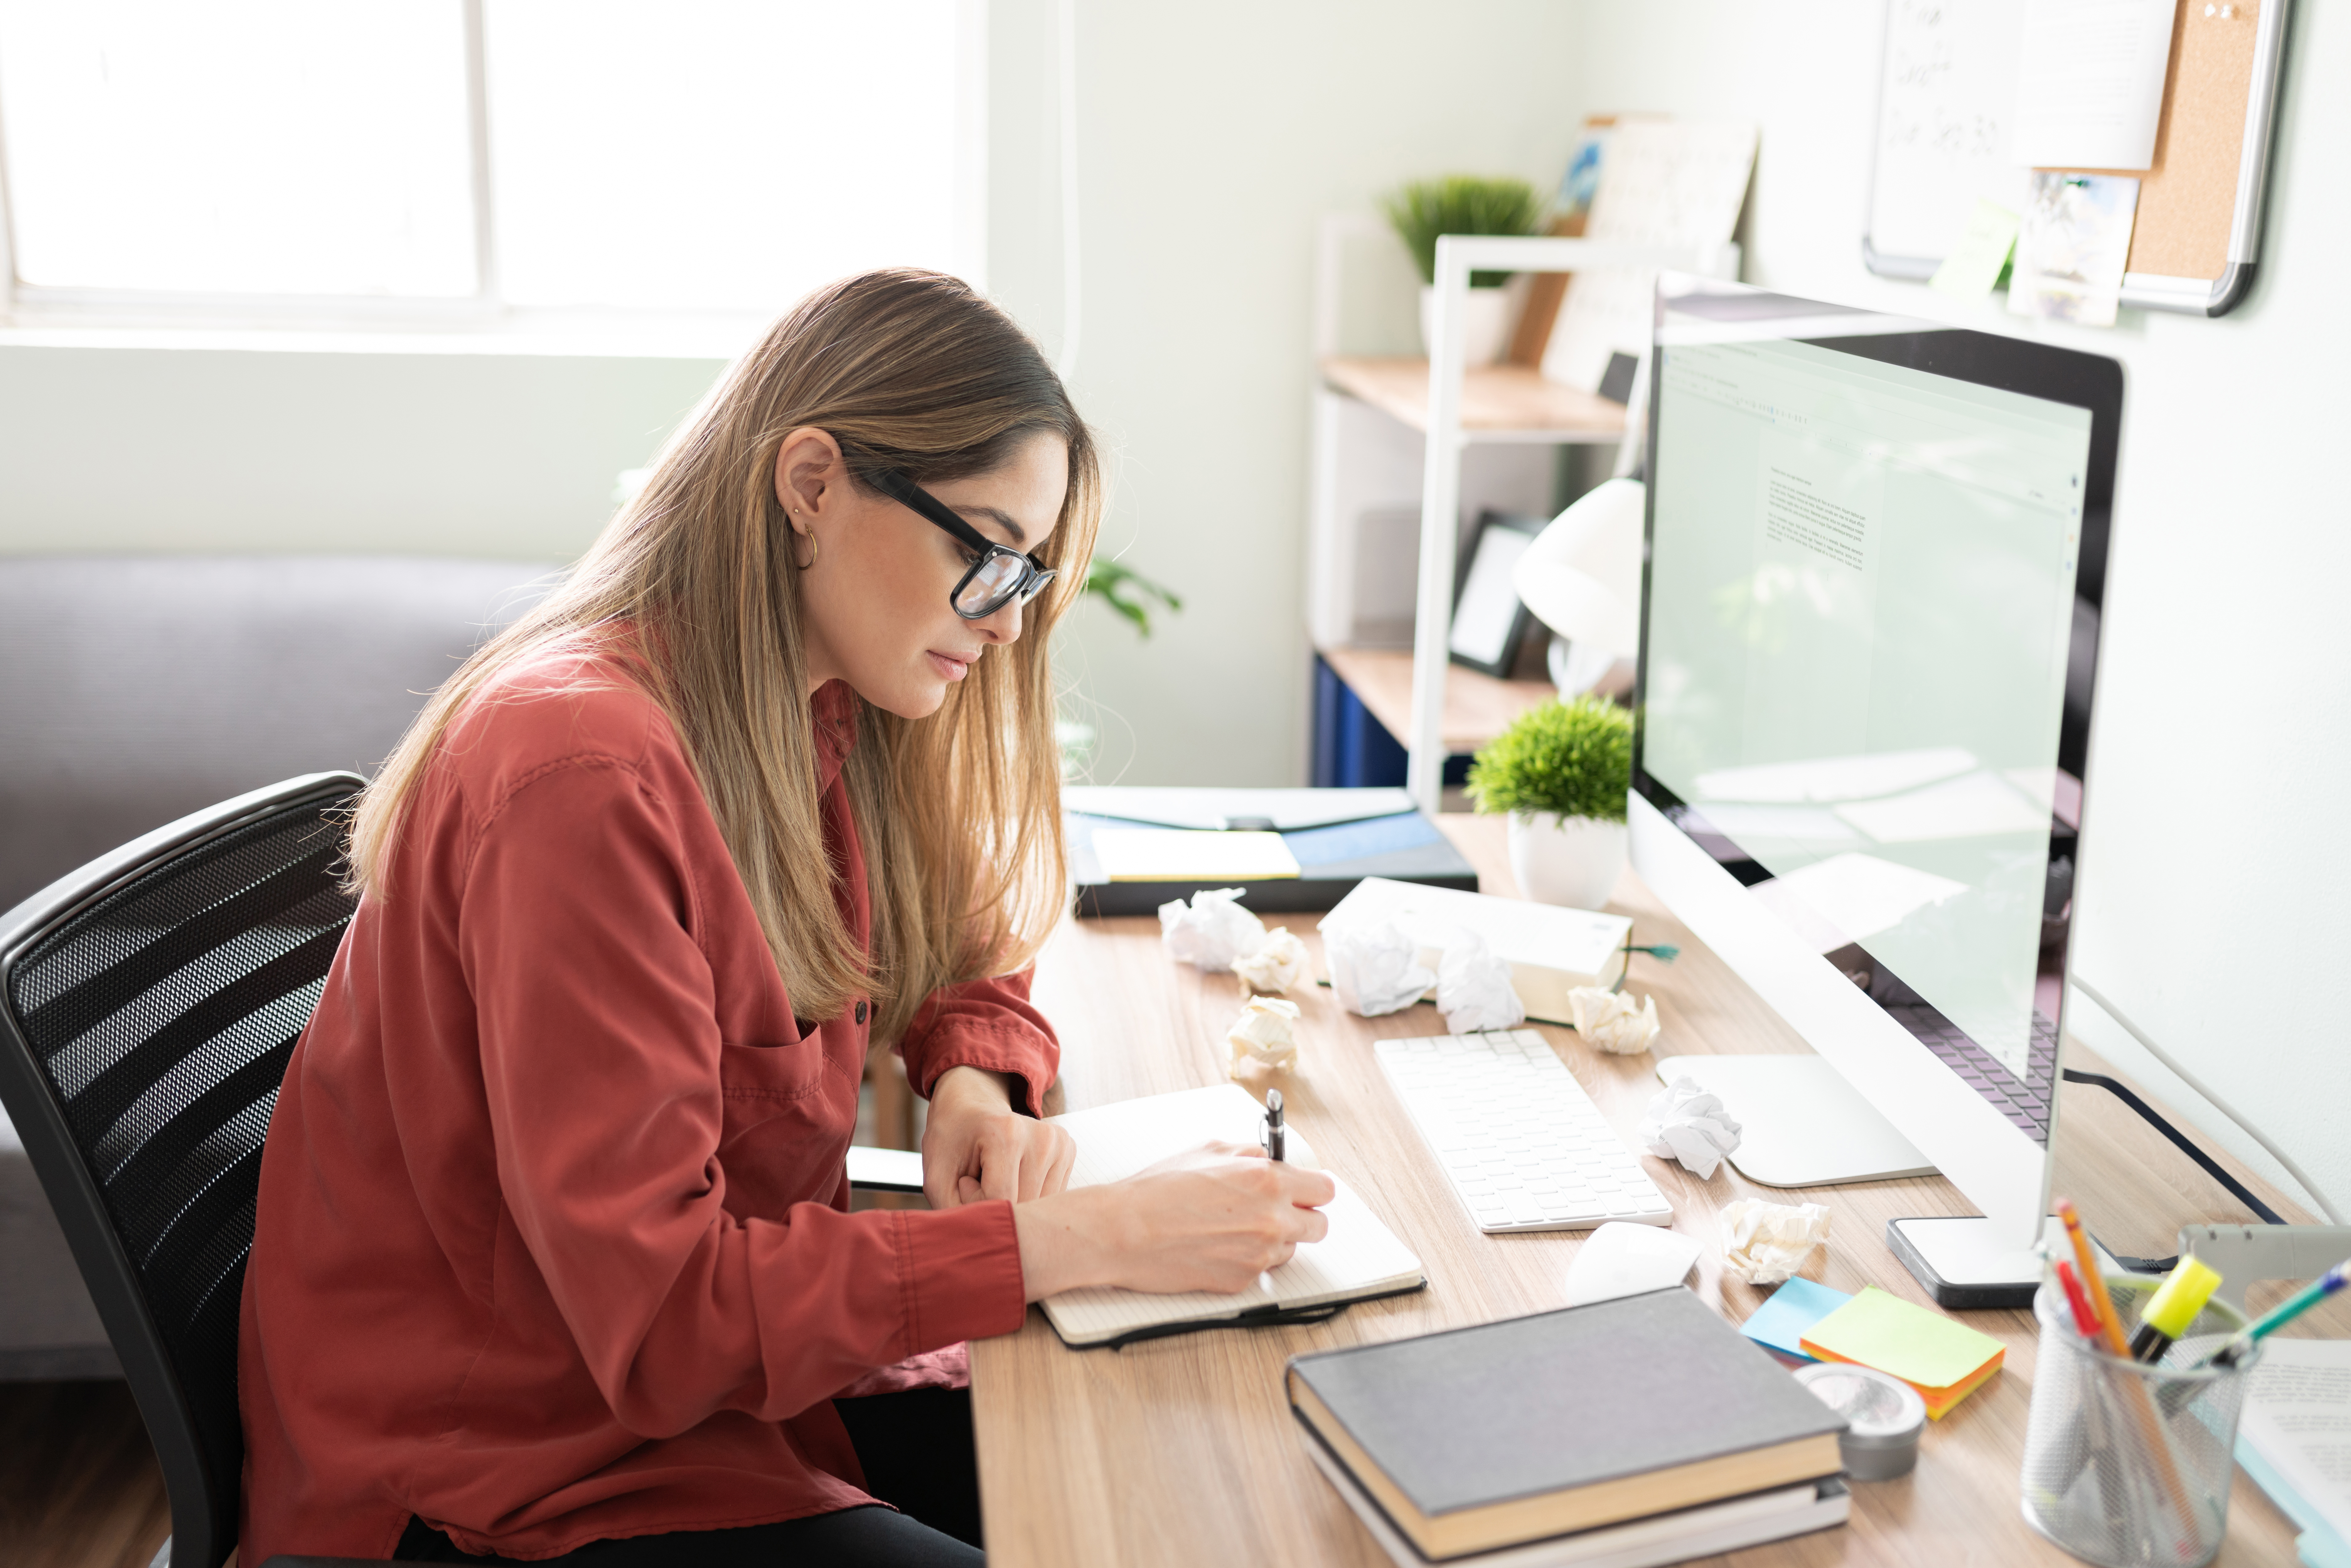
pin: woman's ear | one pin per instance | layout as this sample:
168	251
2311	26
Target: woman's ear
809	472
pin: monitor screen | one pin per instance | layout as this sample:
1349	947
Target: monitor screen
1871	617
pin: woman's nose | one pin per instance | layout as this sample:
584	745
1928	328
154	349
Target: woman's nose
1004	626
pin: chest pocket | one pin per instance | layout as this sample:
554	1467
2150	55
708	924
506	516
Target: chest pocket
773	1072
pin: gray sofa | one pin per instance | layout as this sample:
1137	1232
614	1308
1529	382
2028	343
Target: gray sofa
135	689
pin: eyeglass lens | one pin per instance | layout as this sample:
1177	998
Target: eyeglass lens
993	583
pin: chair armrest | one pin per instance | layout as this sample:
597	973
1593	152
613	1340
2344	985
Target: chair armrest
883	1170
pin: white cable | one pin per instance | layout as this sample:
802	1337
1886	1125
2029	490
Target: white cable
2317	1194
1068	53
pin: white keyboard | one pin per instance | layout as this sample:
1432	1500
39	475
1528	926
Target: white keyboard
1525	1146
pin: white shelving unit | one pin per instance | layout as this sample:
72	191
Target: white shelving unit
1465	439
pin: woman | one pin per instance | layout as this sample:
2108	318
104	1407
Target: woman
553	1253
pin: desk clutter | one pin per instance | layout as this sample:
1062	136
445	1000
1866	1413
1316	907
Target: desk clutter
1686	1442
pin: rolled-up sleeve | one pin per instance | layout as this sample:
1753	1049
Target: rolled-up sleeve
599	1052
989	1024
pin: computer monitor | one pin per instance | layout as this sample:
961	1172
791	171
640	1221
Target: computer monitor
1869	632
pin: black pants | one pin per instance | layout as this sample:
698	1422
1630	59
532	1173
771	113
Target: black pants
916	1451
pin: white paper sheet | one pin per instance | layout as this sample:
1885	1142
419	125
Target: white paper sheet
2089	86
2297	1414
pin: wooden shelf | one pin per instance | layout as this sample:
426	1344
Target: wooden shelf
1499	403
1477	707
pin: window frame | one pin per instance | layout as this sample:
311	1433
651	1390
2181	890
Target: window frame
50	313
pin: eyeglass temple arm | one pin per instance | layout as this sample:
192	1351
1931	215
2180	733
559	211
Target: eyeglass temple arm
906	493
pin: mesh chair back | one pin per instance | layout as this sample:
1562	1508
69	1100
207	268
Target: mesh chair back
154	1002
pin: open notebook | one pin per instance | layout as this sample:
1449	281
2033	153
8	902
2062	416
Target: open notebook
1361	1258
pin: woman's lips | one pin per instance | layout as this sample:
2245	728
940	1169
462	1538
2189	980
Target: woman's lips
948	669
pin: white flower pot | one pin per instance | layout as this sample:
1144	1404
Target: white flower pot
1569	861
1488	326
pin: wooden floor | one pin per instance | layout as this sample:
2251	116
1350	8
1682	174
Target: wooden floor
78	1486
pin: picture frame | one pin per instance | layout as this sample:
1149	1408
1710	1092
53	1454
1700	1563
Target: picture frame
1488	622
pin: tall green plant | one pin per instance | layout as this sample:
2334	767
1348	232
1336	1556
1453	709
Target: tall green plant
1571	758
1462	204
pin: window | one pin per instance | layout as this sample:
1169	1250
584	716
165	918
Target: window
476	161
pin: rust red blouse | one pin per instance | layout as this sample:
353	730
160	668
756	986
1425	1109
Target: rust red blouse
553	1240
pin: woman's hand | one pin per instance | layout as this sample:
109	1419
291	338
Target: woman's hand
1212	1219
976	1145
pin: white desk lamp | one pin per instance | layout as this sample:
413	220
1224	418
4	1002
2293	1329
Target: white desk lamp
1582	578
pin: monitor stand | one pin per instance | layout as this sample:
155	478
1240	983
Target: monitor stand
1801	1123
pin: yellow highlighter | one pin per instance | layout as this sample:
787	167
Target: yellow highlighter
2172	1307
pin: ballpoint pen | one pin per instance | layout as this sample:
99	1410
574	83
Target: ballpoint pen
2284	1312
1273	1128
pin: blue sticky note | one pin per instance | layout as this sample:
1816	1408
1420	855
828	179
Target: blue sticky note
1779	1324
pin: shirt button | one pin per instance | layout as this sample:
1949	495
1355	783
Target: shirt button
860	1012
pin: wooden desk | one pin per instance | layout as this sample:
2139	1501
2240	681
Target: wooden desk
1182	1451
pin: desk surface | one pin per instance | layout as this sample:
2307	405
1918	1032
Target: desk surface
1182	1451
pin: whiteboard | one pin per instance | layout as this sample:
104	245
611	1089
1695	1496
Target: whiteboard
1947	94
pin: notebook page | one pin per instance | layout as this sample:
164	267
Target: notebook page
1115	1142
1359	1256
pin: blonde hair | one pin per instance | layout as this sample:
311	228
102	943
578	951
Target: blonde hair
695	587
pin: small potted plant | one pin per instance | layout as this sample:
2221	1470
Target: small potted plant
1465	204
1560	771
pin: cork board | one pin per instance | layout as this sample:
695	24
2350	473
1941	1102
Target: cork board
2188	201
1945	95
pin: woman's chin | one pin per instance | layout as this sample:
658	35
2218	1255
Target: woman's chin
918	697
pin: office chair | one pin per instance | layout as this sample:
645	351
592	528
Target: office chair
149	1003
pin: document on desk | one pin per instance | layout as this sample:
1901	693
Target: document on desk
2297	1418
1360	1258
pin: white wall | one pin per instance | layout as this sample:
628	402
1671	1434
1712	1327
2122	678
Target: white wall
209	450
1211	135
2213	907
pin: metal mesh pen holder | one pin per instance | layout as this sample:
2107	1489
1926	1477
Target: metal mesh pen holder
2127	1463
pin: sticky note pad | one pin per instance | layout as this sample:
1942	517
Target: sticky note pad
1175	854
1973	266
1944	1360
1780	1324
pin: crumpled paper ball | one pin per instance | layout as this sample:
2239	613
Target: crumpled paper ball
1686	1124
1275	966
1473	987
1261	1035
1611	1021
1765	1243
1375	969
1213	932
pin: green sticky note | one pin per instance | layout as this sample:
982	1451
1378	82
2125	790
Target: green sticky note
1975	264
1920	1347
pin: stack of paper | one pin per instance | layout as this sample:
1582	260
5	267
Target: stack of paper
1944	1360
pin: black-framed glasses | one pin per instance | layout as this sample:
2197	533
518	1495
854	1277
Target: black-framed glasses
996	578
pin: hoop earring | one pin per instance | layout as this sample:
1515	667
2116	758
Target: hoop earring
809	564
